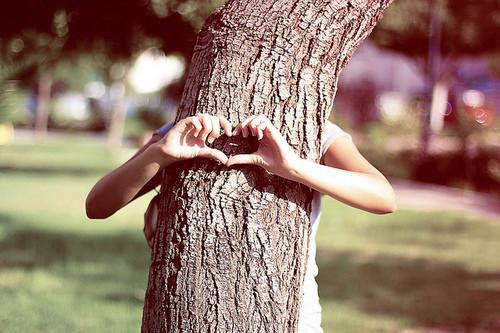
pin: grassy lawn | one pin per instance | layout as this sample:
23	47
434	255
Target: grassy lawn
60	272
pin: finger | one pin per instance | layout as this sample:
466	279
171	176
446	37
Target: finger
244	131
183	127
254	124
215	133
188	130
213	154
244	126
237	130
260	128
225	125
195	122
191	132
207	127
248	120
243	159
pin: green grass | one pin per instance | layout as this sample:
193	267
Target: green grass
60	272
408	270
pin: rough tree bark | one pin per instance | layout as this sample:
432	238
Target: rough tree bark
230	251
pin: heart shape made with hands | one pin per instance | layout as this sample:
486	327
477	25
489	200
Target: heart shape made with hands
235	144
230	145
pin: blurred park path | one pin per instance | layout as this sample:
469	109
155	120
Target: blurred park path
424	196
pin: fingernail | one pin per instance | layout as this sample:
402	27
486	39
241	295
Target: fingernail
210	140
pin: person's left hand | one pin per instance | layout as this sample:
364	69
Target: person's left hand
274	153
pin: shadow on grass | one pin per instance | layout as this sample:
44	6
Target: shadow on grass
429	293
115	266
6	219
42	248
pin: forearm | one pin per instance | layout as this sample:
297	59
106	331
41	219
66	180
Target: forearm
368	192
120	186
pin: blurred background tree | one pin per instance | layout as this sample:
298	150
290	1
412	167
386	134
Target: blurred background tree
436	34
110	31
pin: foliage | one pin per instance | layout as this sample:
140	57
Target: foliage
116	27
77	71
479	172
10	102
109	30
469	27
194	11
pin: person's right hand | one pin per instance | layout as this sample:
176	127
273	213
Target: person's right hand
187	139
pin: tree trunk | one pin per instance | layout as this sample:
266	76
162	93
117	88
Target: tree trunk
117	121
231	247
433	72
43	100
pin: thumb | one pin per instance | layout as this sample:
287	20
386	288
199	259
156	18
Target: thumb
243	159
213	154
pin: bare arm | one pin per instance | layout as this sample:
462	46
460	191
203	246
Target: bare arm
123	184
156	180
141	173
346	176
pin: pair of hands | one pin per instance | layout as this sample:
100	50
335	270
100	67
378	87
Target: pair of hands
189	137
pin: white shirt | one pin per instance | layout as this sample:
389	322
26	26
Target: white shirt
310	312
